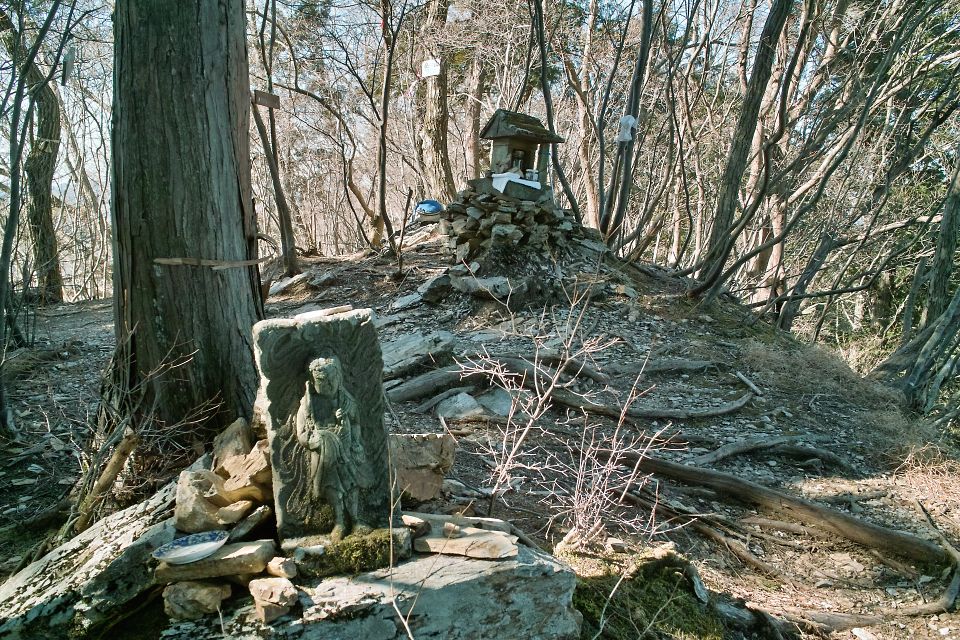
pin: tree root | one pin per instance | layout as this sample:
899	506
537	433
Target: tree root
537	378
667	365
783	445
822	622
851	528
741	446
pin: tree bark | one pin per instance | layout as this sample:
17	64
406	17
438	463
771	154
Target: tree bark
477	87
720	241
436	115
938	296
288	245
181	189
621	179
39	167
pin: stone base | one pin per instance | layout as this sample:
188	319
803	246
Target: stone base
319	556
528	597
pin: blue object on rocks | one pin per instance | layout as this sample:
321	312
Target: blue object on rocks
429	206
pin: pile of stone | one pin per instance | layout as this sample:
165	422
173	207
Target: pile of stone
482	217
236	495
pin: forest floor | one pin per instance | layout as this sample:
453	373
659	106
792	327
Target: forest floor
817	431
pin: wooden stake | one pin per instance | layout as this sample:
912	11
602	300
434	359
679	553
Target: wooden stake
119	458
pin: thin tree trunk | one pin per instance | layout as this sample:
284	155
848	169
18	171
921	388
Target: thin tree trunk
720	242
16	92
548	106
941	268
621	180
288	246
477	87
39	167
791	308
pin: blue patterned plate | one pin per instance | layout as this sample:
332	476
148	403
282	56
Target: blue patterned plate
191	548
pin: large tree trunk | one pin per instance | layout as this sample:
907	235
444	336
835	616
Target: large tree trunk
436	116
181	190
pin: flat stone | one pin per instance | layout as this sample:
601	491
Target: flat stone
200	496
191	600
468	541
506	234
462	270
230	559
417	525
521	191
462	405
405	302
283	284
528	597
194	512
235	440
439	520
421	461
234	512
282	567
497	401
242	471
407	352
495	287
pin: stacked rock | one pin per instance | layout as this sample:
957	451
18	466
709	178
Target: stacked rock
236	495
482	217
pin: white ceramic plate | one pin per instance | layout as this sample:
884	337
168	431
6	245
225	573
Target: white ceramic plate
191	548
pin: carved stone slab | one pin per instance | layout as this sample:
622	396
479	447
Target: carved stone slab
321	386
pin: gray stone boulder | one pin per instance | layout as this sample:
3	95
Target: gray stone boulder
406	353
459	407
88	584
527	597
435	289
84	585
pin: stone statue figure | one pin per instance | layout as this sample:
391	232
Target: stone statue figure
326	425
321	398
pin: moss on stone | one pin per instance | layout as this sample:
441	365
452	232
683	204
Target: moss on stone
655	600
322	519
357	553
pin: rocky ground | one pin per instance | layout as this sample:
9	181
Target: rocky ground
692	385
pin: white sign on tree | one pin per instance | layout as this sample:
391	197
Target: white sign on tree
430	68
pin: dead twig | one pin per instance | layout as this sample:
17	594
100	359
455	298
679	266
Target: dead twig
747	381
